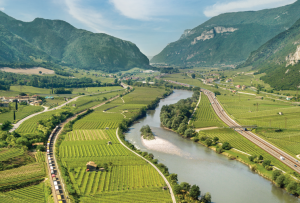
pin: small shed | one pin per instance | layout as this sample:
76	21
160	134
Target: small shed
91	166
280	113
109	143
107	128
164	187
101	169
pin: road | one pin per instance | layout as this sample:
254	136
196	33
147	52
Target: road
15	126
160	173
289	160
51	154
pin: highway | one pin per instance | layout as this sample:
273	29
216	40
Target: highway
287	159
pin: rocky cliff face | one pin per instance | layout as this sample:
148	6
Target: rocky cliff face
205	35
292	59
228	39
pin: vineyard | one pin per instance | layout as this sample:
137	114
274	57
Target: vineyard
23	111
137	196
239	142
22	174
205	115
32	194
126	172
6	153
118	178
40	157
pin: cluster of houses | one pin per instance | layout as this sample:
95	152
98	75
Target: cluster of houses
32	100
240	87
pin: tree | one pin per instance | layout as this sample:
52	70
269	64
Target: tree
6	126
260	157
40	72
182	128
22	141
193	75
208	142
177	189
173	178
216	139
105	166
195	192
40	148
189	133
219	150
292	187
14	115
280	180
226	146
207	198
185	186
116	81
275	174
217	93
266	163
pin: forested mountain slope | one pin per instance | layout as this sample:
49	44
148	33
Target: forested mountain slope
279	59
59	41
228	39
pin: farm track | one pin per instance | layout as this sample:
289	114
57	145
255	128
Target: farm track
160	173
15	126
289	160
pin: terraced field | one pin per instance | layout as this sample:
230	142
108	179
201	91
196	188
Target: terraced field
23	111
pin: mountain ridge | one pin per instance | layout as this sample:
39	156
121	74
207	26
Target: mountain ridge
222	48
67	45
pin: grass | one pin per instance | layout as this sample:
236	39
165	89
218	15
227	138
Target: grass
127	173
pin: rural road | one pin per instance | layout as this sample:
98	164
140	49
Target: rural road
160	173
15	126
289	160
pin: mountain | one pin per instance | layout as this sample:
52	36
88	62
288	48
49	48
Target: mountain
228	39
58	41
279	58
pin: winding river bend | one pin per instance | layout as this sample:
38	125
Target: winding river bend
226	180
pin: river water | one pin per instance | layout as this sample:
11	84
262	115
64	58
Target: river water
228	181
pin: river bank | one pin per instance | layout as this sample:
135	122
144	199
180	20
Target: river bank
226	180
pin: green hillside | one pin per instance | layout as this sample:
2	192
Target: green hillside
228	39
277	59
58	41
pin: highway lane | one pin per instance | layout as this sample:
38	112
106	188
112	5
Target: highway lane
271	149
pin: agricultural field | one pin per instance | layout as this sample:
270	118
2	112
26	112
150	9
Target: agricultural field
8	153
126	173
29	89
205	115
23	111
22	174
30	125
34	194
95	89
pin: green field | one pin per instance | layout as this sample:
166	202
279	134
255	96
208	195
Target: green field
127	174
205	115
23	111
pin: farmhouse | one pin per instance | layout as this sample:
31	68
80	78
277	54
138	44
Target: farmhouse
91	166
238	86
289	98
4	104
243	87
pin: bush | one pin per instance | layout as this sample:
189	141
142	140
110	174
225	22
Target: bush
266	163
219	150
253	167
208	142
275	174
269	168
226	146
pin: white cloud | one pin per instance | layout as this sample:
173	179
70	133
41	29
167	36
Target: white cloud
143	9
243	5
90	17
2	8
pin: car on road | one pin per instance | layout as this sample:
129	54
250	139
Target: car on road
282	158
295	165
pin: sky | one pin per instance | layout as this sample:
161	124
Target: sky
150	24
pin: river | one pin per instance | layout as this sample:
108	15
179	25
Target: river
226	180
